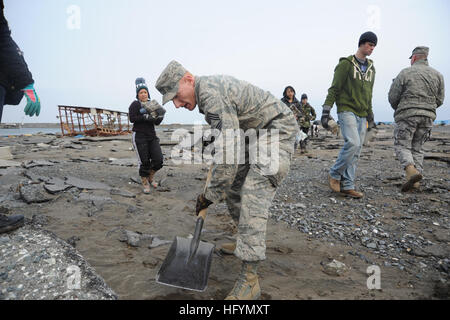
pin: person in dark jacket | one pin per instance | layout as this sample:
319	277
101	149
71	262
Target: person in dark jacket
291	101
15	78
15	82
145	114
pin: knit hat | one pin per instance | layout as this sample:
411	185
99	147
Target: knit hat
368	37
304	96
140	84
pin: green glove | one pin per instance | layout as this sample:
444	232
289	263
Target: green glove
33	103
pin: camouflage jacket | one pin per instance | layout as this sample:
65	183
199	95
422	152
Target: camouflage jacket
229	103
417	91
308	114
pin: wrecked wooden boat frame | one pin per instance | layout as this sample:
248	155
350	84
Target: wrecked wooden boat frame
77	120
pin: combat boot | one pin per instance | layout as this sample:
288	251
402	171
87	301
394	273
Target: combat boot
228	248
10	223
145	184
412	176
150	179
335	185
247	285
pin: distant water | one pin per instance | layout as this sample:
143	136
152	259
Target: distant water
18	132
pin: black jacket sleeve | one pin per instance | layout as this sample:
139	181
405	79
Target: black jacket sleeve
14	73
135	115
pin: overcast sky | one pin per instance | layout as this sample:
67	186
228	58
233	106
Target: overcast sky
88	53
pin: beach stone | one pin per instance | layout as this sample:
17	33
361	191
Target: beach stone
371	245
437	251
73	241
37	163
34	193
84	184
9	163
122	193
38	219
55	185
335	268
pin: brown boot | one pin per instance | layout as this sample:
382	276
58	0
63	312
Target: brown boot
247	285
412	176
150	179
353	193
335	185
228	248
145	184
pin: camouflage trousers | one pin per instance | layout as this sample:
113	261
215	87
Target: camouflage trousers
409	136
248	200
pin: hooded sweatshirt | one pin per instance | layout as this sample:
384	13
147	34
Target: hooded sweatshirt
351	88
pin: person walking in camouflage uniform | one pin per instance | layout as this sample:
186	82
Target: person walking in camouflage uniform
308	115
415	94
230	104
351	89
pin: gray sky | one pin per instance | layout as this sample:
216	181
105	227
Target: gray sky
89	53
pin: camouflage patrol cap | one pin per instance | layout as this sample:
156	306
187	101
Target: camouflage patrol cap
420	50
168	81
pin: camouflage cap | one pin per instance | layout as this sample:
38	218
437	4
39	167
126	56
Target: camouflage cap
420	50
168	81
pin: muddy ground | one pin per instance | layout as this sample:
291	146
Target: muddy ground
405	234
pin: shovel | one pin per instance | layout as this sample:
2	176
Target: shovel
188	261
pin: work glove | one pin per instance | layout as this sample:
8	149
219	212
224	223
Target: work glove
33	106
325	116
202	203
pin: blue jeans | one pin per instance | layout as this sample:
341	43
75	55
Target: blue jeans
353	129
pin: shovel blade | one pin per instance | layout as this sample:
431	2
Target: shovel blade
178	270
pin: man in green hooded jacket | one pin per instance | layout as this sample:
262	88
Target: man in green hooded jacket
351	90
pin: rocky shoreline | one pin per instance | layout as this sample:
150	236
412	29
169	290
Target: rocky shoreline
84	207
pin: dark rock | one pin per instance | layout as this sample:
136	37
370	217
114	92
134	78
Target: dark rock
73	241
34	193
84	184
437	251
37	163
41	220
55	185
122	193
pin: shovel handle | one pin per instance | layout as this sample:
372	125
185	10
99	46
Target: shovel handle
202	213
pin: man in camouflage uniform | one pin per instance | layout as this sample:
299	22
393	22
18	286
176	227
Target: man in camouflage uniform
415	94
248	188
308	114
